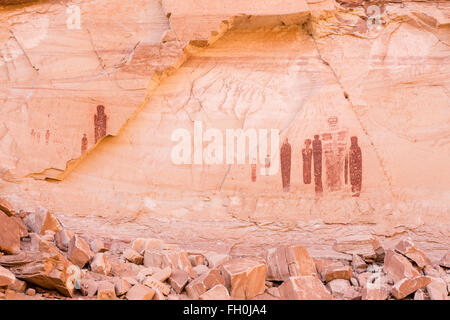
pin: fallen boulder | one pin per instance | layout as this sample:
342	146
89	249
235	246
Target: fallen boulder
48	270
304	288
9	235
288	261
203	283
6	277
407	286
218	292
79	252
140	292
42	220
174	258
244	277
397	267
407	248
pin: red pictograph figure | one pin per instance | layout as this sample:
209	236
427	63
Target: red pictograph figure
253	172
317	158
285	158
84	144
307	156
355	166
334	145
100	123
47	136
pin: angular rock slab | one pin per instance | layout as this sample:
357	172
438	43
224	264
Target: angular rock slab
6	277
48	270
304	288
203	283
397	267
366	246
405	287
6	207
41	221
140	292
244	277
407	248
79	251
289	261
9	235
218	292
445	261
175	258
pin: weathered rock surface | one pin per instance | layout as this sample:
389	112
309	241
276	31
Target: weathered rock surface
140	292
397	267
203	283
178	280
176	259
407	286
244	277
9	235
79	252
100	264
304	288
437	289
407	248
42	220
106	291
289	261
218	292
6	207
6	277
45	269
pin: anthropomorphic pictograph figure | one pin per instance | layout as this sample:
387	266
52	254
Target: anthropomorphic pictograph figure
307	157
334	146
355	166
253	165
285	158
84	144
100	123
317	158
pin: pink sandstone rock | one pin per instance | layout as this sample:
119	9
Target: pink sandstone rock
244	277
445	261
407	286
341	289
178	280
218	292
6	277
79	252
437	289
398	267
106	291
6	207
407	248
284	262
100	264
176	259
133	256
203	283
140	292
304	288
62	239
9	235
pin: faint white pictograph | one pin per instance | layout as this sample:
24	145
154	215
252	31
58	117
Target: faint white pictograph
74	19
373	17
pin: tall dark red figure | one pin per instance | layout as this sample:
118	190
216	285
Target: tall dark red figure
317	158
355	166
285	157
100	123
307	157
